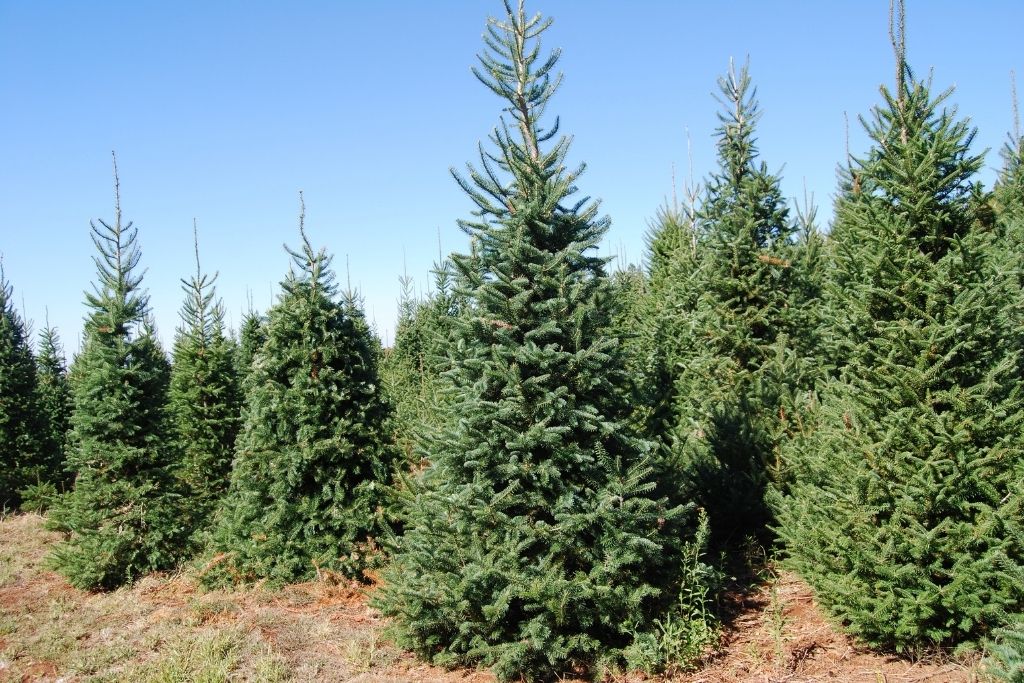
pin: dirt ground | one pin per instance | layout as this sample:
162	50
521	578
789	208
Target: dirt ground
166	629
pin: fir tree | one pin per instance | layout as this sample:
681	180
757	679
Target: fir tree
734	300
24	457
55	403
906	508
532	542
413	368
251	336
1009	190
205	399
123	517
313	455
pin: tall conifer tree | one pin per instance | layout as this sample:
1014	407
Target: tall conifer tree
123	517
313	454
251	336
532	542
55	403
735	300
22	453
205	398
905	510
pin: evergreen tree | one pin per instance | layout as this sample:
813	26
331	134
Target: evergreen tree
205	399
664	340
123	517
55	403
23	455
250	338
532	542
905	509
413	368
1009	191
313	454
735	302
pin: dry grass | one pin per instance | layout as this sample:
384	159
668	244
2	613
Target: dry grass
167	629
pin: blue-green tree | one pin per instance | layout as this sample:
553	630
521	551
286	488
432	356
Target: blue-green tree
533	543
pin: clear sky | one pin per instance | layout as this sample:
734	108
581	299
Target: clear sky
223	111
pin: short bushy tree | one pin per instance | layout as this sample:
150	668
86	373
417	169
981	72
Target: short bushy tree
205	399
905	510
313	454
123	517
532	541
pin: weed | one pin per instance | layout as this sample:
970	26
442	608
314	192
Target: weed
776	617
690	628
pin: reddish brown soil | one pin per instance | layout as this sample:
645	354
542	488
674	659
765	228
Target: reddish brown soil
784	638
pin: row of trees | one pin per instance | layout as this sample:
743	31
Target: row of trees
269	451
548	452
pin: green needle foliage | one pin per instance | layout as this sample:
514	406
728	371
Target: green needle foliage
23	458
55	401
906	505
413	369
205	398
533	543
726	277
313	455
250	338
123	517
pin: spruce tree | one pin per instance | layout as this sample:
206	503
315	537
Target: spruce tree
1009	190
205	399
413	368
23	455
735	302
55	402
532	541
905	510
251	336
123	517
313	455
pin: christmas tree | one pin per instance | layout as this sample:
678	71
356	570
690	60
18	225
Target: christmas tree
731	302
21	430
532	541
55	403
123	517
313	455
205	399
905	506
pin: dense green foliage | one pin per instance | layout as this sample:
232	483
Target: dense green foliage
1006	654
725	300
313	453
22	456
413	368
549	450
250	338
55	405
532	543
905	508
123	517
205	397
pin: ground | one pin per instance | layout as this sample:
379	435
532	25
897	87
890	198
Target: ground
166	629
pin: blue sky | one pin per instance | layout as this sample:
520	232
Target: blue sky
223	111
